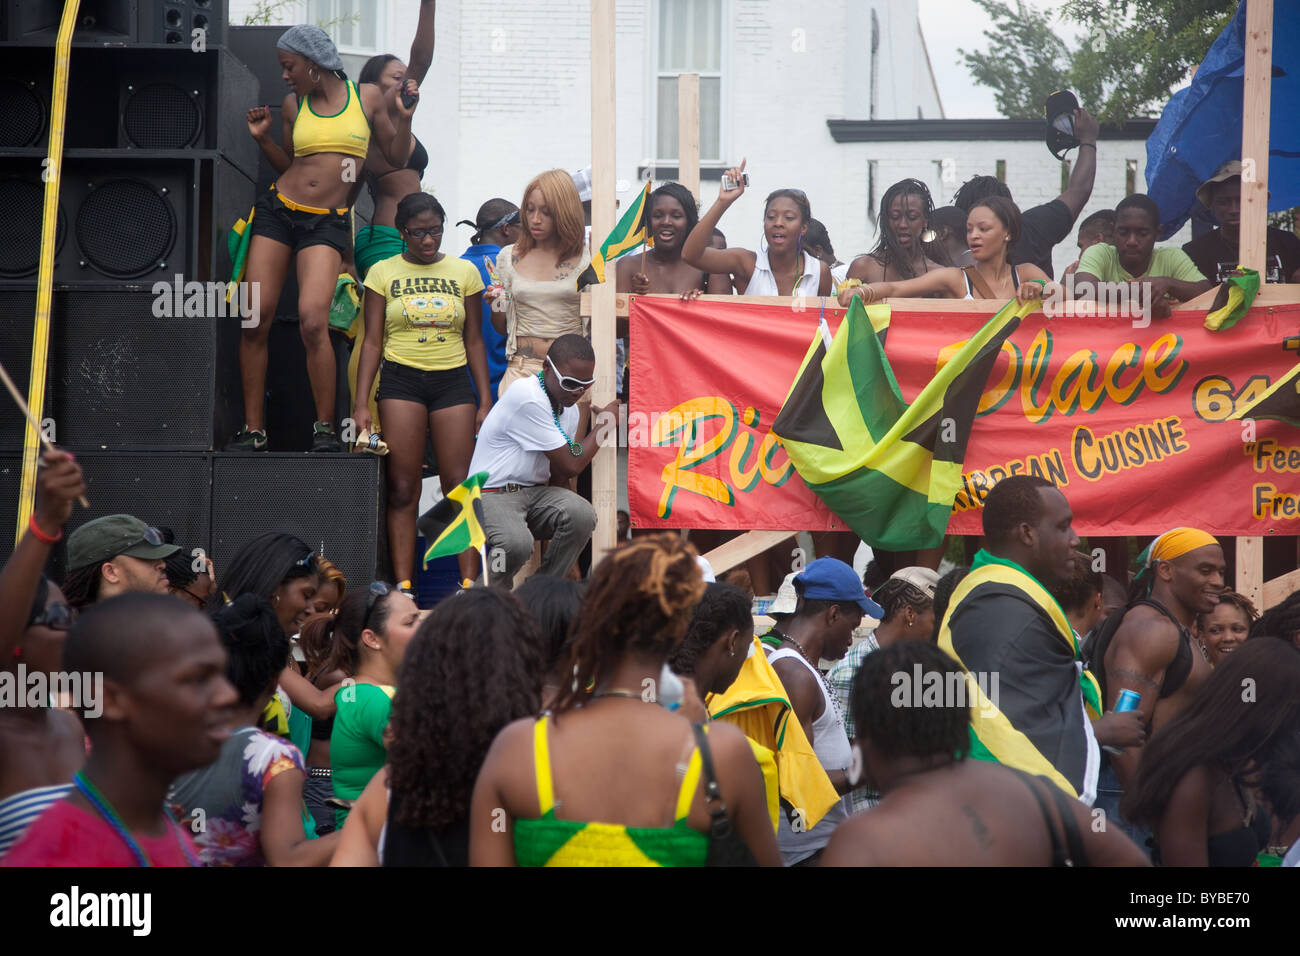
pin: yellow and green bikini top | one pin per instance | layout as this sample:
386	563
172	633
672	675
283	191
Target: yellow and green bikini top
550	841
346	132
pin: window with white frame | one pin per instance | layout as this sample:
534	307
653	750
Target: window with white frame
353	25
689	41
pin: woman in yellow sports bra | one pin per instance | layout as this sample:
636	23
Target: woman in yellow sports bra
327	122
611	777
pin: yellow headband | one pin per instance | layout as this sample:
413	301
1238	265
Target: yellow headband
1176	543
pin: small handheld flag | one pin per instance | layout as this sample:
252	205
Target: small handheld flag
492	271
1233	301
627	235
455	523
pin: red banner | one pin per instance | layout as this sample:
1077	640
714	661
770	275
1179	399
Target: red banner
1130	422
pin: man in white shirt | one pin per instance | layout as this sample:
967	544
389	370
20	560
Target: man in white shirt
531	444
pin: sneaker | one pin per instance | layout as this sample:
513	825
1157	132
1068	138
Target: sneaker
323	438
247	440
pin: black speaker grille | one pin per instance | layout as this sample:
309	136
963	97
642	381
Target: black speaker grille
23	112
125	228
124	378
332	503
21	203
161	116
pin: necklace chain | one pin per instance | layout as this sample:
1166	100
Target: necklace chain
105	810
575	447
833	697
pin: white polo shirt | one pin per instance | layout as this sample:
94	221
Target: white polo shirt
516	435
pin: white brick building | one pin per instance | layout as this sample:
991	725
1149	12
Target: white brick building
508	96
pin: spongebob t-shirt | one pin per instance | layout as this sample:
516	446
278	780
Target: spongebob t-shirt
424	314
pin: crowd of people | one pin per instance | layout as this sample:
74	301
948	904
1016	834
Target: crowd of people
271	712
268	713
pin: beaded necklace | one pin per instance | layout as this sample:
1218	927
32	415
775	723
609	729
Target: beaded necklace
830	694
105	810
575	448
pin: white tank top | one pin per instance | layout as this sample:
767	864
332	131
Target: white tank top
763	282
831	745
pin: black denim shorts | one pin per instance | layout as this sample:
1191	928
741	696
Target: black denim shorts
441	388
297	229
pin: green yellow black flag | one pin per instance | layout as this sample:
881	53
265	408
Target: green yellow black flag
629	234
1233	301
455	523
888	469
1281	402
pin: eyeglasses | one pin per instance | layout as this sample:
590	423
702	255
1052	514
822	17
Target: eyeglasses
378	589
57	617
421	233
567	382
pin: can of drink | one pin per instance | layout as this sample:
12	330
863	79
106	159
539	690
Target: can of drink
1128	700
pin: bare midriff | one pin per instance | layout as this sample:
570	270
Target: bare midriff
530	346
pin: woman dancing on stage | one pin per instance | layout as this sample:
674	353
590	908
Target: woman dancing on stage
327	122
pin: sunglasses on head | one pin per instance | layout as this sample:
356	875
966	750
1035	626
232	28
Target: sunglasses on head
378	589
568	382
57	617
308	562
152	536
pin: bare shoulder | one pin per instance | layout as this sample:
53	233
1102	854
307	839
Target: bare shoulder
1148	626
857	841
289	105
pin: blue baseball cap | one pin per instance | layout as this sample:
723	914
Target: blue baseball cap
830	579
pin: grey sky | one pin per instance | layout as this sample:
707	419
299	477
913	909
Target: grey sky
948	25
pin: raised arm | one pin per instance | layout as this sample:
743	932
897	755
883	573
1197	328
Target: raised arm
391	119
697	251
1084	173
421	57
58	484
259	126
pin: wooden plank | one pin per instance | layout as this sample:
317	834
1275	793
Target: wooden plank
1269	295
604	467
1279	589
738	550
1254	215
1250	569
688	132
1254	132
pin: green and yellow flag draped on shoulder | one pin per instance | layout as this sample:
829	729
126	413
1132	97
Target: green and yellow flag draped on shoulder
629	234
992	735
455	523
888	469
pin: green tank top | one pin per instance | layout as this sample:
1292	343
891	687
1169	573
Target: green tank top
357	748
550	841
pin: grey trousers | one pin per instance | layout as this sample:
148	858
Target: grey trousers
512	520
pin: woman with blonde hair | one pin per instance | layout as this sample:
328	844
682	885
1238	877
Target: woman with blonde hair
537	300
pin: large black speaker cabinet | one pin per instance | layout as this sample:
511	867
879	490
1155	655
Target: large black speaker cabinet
164	22
122	218
149	100
122	377
171	491
333	502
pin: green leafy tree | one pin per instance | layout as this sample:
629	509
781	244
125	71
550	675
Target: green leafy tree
1134	53
1026	62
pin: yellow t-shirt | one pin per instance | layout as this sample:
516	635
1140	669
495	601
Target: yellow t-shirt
424	313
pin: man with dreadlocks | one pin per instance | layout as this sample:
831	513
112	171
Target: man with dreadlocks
1148	647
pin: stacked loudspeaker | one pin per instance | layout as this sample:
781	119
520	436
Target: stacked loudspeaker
142	386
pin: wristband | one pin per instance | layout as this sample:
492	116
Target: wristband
1093	145
40	535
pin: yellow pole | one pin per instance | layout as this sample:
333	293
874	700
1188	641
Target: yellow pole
53	174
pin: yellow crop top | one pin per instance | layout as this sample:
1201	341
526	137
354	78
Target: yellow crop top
347	131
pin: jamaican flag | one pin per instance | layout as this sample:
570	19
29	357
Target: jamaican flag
455	523
889	470
1234	299
627	235
1281	402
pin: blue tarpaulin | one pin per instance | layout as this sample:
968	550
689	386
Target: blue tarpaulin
1200	128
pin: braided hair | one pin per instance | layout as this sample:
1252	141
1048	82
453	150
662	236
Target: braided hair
888	252
255	643
723	607
896	594
639	601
